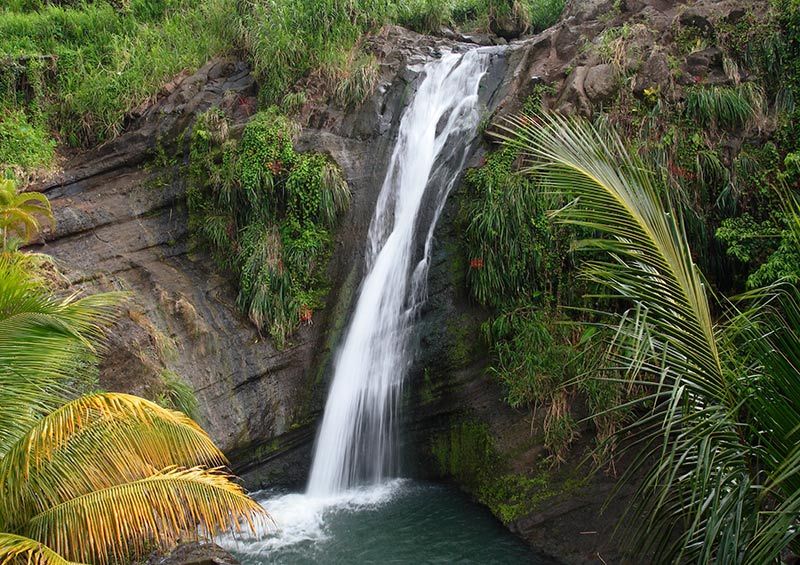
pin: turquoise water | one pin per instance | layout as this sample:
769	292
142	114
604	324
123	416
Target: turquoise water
402	521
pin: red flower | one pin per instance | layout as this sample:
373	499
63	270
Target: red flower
476	264
305	314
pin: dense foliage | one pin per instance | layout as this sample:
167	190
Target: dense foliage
266	211
716	428
724	153
73	71
522	266
726	150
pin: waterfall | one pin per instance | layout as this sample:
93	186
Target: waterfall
356	442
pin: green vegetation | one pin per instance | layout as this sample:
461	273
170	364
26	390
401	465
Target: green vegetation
19	214
468	453
77	471
521	265
73	72
724	107
77	69
428	16
716	488
642	342
23	145
266	211
177	394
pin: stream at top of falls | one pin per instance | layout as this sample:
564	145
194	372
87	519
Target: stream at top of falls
354	509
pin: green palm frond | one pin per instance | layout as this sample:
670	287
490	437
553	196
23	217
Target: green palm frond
651	261
774	407
20	212
708	478
116	523
43	341
16	549
95	442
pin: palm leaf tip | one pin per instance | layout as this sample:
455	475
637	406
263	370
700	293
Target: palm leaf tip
14	548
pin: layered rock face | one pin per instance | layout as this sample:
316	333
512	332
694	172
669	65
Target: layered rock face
121	223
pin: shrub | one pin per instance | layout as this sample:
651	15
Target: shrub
266	212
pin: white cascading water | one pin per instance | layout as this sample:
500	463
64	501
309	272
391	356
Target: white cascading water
356	443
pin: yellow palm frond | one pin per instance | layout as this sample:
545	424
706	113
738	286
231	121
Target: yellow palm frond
124	521
95	442
15	549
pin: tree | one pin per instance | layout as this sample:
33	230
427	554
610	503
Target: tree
19	211
104	477
716	432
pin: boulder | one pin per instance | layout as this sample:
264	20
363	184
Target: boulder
693	18
654	74
700	63
601	83
195	553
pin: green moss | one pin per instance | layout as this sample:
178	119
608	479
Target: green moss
462	347
427	390
468	454
266	449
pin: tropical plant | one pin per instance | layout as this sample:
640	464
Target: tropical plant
19	211
357	83
716	432
45	342
725	107
266	212
105	477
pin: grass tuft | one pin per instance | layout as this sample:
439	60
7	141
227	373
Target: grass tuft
725	107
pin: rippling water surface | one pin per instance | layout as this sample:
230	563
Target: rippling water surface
401	521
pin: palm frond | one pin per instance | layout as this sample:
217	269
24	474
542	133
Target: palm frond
696	502
775	406
95	442
616	195
20	212
44	342
126	520
15	549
